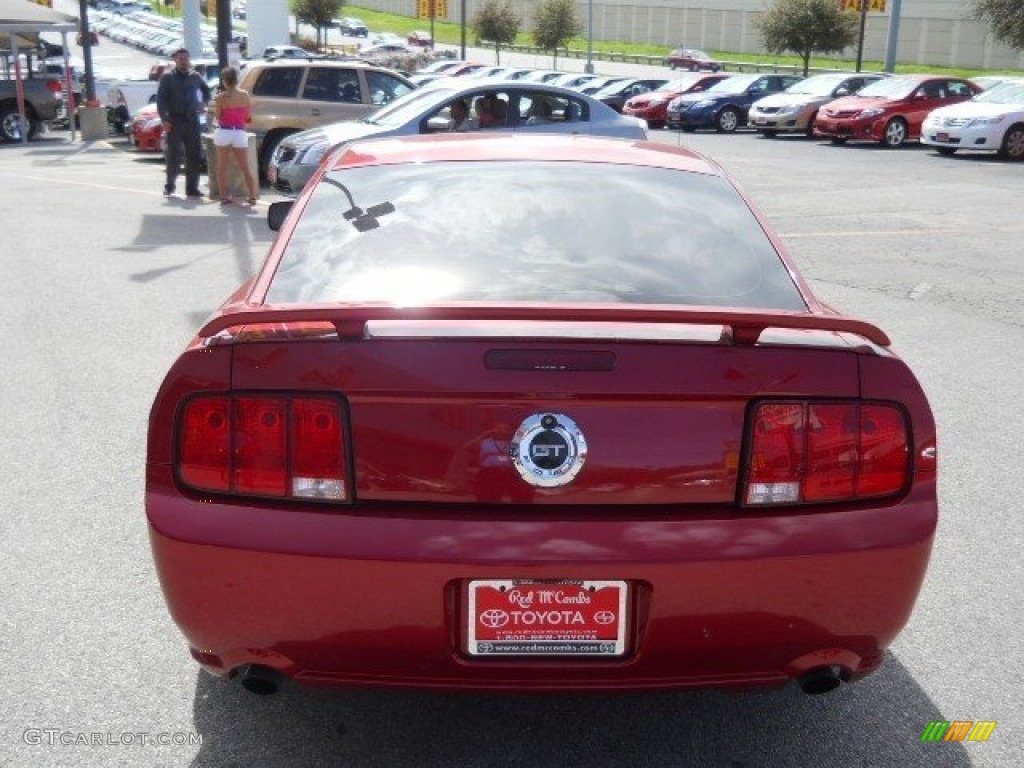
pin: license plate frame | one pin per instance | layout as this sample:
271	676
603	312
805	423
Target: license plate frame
546	618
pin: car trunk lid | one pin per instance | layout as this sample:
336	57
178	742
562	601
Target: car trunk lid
439	410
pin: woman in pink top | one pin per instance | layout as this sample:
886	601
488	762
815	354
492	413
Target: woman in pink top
231	139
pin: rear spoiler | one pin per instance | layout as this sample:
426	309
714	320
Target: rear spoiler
350	321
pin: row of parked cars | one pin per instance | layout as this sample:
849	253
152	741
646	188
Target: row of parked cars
148	31
950	113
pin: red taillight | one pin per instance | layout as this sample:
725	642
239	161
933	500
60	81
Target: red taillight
56	86
258	444
813	452
205	438
318	465
884	450
280	447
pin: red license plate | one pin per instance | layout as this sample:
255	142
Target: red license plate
547	618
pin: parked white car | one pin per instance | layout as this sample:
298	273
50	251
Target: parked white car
992	121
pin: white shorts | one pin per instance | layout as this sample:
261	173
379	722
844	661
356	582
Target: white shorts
231	137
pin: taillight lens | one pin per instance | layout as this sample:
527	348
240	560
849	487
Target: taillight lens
258	445
204	435
814	452
56	86
318	464
254	445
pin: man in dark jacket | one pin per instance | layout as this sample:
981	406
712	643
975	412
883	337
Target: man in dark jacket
180	98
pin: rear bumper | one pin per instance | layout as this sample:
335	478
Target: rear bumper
348	599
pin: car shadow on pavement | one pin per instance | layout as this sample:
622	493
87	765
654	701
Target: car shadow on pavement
875	722
204	229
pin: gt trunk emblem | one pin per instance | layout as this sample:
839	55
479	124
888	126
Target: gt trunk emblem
548	449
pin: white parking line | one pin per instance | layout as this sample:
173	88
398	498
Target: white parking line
113	188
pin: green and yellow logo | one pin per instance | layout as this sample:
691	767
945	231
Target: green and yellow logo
958	730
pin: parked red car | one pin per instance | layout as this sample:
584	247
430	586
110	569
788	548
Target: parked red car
459	441
147	130
892	110
653	105
692	59
420	38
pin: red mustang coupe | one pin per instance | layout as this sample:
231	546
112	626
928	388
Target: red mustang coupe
892	110
482	440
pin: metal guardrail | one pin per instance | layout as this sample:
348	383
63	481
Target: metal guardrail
411	61
662	61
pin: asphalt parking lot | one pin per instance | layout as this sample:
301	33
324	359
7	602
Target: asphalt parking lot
105	281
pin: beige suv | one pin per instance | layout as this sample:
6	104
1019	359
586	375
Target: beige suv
293	95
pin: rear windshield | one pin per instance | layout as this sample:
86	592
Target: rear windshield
531	232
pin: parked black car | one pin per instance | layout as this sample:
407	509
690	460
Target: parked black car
618	93
353	27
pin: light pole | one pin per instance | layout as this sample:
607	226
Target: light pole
894	36
860	40
589	68
462	24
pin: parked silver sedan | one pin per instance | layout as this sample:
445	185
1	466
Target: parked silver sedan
794	110
494	105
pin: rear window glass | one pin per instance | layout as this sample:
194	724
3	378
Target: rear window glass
530	231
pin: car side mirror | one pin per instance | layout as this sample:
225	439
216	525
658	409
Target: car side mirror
438	125
278	212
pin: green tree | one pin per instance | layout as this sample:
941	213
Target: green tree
317	13
804	27
498	23
555	23
1005	17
